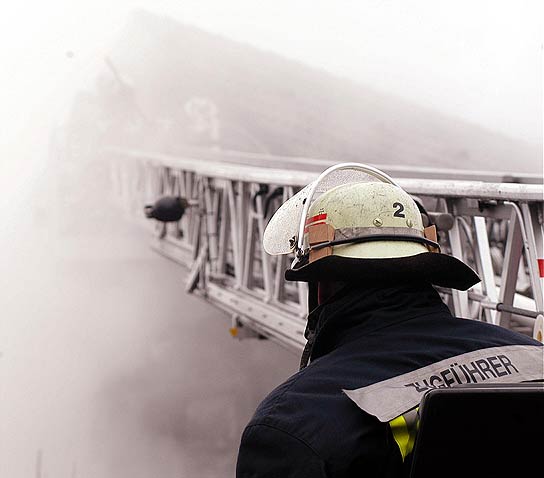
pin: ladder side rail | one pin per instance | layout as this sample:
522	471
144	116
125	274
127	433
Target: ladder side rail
191	157
301	177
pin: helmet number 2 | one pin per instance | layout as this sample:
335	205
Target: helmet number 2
399	211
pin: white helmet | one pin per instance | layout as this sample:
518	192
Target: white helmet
354	223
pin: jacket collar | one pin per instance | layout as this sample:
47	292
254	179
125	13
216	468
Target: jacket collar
354	312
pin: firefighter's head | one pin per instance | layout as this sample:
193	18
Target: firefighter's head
355	224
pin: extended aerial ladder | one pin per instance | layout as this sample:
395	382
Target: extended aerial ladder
491	221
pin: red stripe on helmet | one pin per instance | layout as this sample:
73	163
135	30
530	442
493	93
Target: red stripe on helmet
317	217
541	267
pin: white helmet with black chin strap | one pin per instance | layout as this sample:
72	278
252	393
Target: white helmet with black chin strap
357	217
355	224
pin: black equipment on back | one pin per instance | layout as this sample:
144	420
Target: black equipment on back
480	431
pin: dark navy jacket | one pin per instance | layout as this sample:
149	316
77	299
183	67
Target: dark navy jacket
308	427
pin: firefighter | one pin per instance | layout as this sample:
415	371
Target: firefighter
378	333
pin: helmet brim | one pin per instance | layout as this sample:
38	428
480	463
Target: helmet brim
435	268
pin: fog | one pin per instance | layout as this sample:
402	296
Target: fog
107	368
479	61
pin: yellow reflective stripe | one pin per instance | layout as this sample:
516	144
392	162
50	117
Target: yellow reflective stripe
401	435
404	429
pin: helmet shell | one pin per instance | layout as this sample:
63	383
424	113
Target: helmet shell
375	206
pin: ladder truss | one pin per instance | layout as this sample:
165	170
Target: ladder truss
495	227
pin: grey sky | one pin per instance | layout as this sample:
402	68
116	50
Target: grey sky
481	60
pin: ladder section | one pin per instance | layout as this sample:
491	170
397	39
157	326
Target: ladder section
496	228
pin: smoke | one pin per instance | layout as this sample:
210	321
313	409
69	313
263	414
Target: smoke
108	368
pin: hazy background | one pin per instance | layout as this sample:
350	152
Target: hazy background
103	372
479	61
